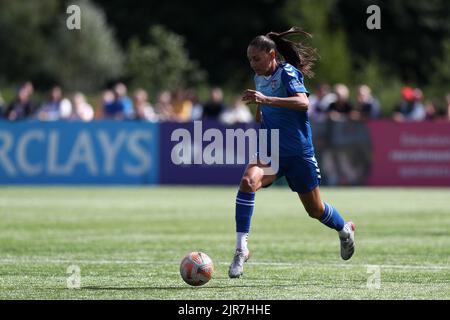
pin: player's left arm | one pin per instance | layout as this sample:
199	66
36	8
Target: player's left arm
299	101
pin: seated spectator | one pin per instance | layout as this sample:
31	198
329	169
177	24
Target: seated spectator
367	107
197	108
21	107
319	103
143	110
82	110
121	93
113	108
215	106
410	107
182	107
341	108
56	108
237	113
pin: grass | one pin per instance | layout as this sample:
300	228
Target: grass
128	243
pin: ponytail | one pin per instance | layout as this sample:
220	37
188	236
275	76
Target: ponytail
295	53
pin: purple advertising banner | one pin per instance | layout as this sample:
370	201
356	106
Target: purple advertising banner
410	154
197	153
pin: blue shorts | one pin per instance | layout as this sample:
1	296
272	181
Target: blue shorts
302	175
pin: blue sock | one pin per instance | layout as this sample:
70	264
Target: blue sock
331	218
245	201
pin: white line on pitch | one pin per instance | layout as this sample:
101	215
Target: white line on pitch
256	263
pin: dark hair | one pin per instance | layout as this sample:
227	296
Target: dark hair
295	53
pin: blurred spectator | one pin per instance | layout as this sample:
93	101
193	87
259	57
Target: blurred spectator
419	108
430	111
237	113
197	108
121	96
404	109
56	108
341	108
367	107
182	107
143	110
320	101
215	106
113	108
164	108
82	110
410	107
21	107
107	101
29	88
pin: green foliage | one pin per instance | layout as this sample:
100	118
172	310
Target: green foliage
91	55
36	44
440	78
162	63
217	38
411	46
334	64
24	28
410	37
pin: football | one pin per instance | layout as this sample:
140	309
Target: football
196	268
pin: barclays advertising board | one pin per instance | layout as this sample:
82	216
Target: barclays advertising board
73	152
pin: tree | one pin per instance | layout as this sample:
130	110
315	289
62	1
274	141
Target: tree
23	40
37	45
334	64
410	38
216	33
440	77
162	63
85	59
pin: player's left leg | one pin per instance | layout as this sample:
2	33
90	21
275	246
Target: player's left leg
330	217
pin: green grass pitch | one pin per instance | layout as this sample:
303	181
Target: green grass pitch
128	243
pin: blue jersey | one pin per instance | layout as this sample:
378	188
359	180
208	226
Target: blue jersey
293	125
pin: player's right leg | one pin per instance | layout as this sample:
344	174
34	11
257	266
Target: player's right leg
252	180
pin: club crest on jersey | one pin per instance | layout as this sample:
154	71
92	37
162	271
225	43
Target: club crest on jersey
273	84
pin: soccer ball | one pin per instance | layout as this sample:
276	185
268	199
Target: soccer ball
196	268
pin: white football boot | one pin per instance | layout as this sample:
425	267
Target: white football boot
347	237
237	265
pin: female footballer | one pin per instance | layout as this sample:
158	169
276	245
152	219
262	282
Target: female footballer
282	103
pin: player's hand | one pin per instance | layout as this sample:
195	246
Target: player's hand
254	96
